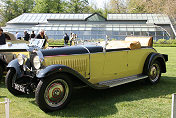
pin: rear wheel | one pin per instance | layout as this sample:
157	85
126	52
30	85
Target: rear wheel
54	92
9	80
154	73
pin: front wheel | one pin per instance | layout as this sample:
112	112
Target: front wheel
154	73
54	92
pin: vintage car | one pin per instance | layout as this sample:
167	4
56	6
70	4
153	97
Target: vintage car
53	73
9	51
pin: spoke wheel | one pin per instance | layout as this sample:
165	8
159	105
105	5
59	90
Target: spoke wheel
154	73
54	92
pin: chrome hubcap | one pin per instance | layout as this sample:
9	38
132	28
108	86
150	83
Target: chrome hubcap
154	72
56	93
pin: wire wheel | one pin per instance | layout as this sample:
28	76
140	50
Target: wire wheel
56	93
154	72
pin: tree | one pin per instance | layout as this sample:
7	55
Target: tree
152	6
117	6
136	6
78	6
49	6
13	8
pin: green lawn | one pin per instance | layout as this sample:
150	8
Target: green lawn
133	100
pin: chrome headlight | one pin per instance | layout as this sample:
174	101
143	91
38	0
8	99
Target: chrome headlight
21	59
37	62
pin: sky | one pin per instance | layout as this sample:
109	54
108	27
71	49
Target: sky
99	3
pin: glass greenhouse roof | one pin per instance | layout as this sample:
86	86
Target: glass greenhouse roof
114	27
35	18
151	18
39	18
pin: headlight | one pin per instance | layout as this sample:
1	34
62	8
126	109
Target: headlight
21	59
37	62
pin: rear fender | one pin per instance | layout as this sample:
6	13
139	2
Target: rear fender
151	58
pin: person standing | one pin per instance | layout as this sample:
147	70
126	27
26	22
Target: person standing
41	35
66	39
26	36
32	35
2	37
71	38
18	36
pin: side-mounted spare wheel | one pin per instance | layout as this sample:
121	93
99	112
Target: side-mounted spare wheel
9	80
154	72
53	92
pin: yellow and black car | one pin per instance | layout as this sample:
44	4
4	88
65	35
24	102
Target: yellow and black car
53	73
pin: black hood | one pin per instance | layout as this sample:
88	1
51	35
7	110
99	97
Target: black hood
72	50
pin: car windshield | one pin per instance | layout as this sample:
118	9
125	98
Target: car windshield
36	43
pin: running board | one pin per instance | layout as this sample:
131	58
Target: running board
116	82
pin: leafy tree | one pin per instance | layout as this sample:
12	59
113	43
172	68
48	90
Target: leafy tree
152	6
49	6
13	8
136	6
117	6
78	6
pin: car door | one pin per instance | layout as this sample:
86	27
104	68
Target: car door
108	65
115	64
96	67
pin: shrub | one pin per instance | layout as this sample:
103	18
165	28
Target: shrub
171	41
56	42
161	41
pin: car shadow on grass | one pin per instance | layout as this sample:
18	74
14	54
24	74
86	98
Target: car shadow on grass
87	102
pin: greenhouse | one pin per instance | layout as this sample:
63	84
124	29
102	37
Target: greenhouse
94	26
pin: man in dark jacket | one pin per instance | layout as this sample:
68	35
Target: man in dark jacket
2	37
66	39
26	36
32	35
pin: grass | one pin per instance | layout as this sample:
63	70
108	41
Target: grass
164	45
133	100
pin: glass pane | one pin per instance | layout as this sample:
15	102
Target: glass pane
136	33
122	33
159	33
143	33
130	33
151	34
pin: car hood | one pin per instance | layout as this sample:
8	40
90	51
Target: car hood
14	47
72	50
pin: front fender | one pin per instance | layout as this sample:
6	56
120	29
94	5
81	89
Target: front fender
57	69
49	70
151	58
14	64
